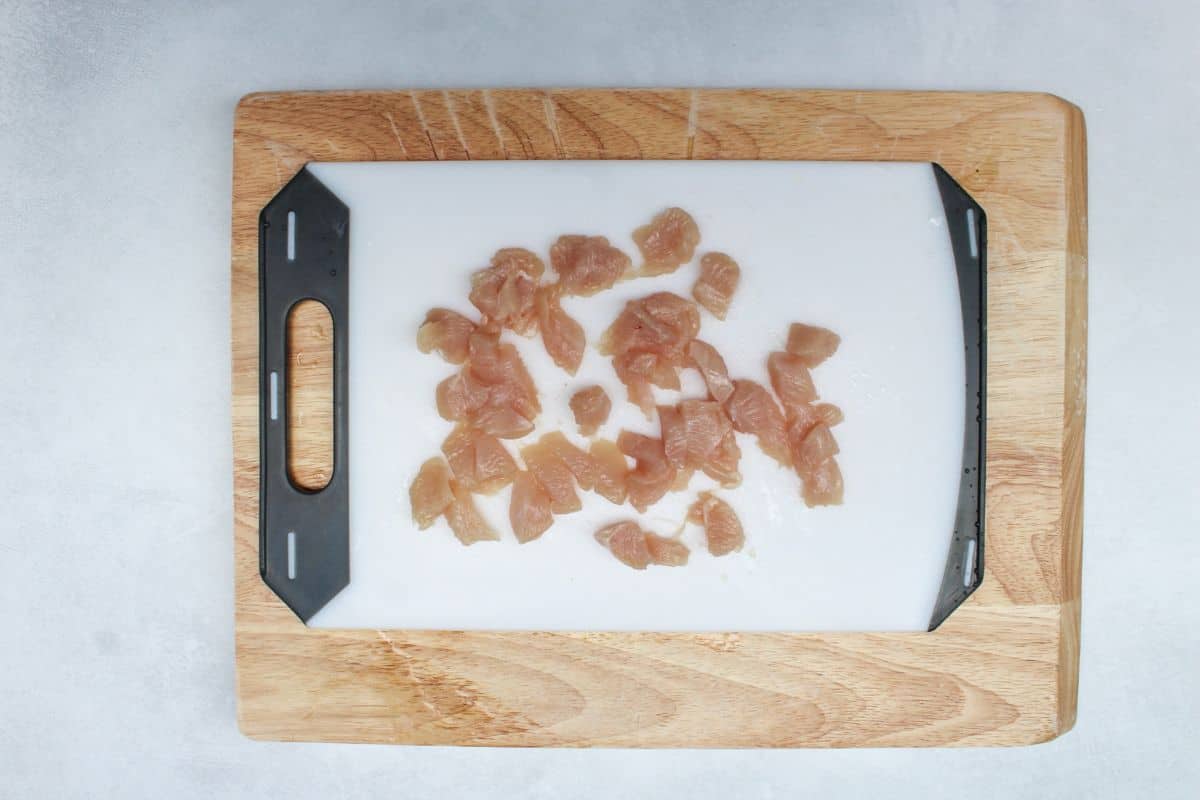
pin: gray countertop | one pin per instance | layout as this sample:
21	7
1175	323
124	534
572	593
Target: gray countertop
115	486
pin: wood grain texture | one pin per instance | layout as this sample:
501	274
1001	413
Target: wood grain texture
1002	670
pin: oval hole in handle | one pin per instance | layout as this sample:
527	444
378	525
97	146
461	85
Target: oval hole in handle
310	395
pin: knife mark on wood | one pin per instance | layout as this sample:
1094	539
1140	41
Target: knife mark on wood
491	112
424	125
454	120
552	123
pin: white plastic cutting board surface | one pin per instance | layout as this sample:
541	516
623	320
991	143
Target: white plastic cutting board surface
859	248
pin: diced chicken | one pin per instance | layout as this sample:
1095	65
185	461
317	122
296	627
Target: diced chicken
814	449
830	414
674	436
554	476
722	464
582	465
800	420
653	476
668	241
705	358
430	493
447	332
823	486
499	367
465	520
705	426
504	291
722	528
591	408
666	552
587	264
502	422
714	289
752	410
529	508
791	380
661	323
811	343
461	396
627	542
611	471
562	336
639	370
479	461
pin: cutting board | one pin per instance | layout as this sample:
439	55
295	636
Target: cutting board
857	247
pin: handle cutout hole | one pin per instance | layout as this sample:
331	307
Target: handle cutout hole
309	395
968	571
972	233
291	540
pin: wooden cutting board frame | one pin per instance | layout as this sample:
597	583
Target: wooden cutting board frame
1002	670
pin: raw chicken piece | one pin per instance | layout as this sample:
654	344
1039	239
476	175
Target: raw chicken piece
554	476
504	292
465	520
674	436
666	552
722	528
752	410
447	332
582	465
719	275
712	368
461	396
591	408
529	508
587	264
823	486
791	380
814	449
627	542
430	493
653	476
705	426
639	370
811	343
611	471
498	365
800	420
661	323
562	336
668	241
502	421
722	464
830	414
479	461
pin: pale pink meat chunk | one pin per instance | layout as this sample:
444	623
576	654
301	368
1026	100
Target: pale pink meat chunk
653	476
563	337
674	436
812	344
662	323
627	542
667	241
830	414
705	426
587	264
823	486
791	379
498	365
479	461
554	475
753	410
722	528
447	332
465	520
611	470
529	509
504	291
722	464
429	493
705	358
666	552
582	465
591	408
714	289
814	449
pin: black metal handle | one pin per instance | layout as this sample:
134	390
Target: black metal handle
968	239
303	536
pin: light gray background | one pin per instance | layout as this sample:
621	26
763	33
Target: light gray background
116	654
